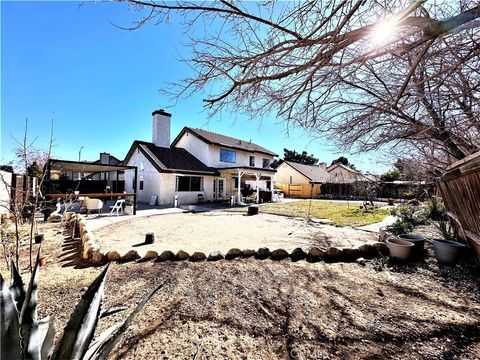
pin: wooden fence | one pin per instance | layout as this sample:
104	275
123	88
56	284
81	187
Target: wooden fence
460	189
303	191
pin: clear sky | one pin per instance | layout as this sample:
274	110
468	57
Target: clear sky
103	84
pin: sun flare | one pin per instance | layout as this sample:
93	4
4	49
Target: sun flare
384	32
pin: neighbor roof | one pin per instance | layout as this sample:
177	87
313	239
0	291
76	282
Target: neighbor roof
223	140
171	159
333	166
314	173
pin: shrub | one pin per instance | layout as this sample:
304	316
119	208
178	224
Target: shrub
400	227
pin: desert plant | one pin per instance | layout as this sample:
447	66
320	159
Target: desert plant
437	208
25	337
446	229
400	227
128	201
404	213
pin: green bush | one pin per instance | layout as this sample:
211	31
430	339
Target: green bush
400	227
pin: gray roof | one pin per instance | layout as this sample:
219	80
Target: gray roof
223	140
314	173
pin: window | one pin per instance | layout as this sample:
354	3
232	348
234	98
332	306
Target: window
235	183
252	161
189	183
141	182
228	156
142	166
266	163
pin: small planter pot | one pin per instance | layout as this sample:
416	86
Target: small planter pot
191	208
446	251
128	210
391	202
417	240
400	249
38	238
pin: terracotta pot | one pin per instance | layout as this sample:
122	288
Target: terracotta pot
418	240
446	251
400	249
391	202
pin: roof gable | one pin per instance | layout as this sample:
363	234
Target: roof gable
171	159
333	166
313	172
223	140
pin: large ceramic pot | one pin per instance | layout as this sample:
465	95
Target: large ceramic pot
400	249
446	251
418	240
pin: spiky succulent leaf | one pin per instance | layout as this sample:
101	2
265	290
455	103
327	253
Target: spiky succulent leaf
46	335
10	325
108	345
100	340
80	328
111	311
17	288
28	317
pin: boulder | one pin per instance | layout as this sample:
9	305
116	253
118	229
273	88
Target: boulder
149	255
54	218
97	257
279	254
215	256
181	255
132	255
198	256
350	255
165	256
248	253
368	251
382	248
298	254
262	253
333	255
233	253
315	255
113	256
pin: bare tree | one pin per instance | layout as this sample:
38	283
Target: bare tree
368	73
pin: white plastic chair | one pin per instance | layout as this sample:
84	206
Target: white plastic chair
94	204
118	207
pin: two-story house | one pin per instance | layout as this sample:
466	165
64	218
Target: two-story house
197	165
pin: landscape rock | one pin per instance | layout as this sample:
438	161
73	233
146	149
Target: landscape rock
298	254
333	255
368	251
113	256
150	255
215	256
198	256
54	218
248	253
262	253
97	257
315	254
362	261
382	248
181	255
321	221
350	255
132	255
166	255
279	254
233	253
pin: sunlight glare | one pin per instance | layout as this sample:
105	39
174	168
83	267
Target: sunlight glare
384	32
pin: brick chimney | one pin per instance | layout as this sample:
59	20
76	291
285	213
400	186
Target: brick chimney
161	128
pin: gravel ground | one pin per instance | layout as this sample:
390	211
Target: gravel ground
248	309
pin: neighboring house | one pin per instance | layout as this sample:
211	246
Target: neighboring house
341	174
300	180
198	165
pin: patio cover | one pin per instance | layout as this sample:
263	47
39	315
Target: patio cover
86	167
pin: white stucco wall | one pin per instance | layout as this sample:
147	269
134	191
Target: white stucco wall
285	171
195	146
151	177
4	191
168	193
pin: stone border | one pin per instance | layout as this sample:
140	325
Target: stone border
90	251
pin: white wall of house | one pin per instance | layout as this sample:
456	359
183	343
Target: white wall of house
169	186
210	154
5	191
287	175
151	177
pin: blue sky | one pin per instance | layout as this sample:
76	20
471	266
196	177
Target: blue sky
103	83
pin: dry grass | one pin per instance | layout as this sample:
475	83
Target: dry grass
342	214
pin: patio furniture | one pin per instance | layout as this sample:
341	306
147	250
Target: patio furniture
118	207
94	204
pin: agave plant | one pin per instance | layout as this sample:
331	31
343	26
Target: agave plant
25	337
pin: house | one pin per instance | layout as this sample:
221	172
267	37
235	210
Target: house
300	180
342	174
198	165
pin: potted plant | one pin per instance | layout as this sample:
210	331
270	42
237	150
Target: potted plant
128	206
446	249
400	249
391	201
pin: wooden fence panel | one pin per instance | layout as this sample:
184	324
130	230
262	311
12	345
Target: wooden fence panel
303	191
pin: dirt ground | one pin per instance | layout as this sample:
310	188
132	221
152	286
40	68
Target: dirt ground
222	231
250	309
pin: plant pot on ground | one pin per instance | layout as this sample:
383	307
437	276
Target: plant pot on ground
128	206
400	249
447	251
391	201
418	240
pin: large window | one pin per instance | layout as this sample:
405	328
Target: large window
228	156
252	161
189	183
266	163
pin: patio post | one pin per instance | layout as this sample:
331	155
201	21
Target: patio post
257	177
135	193
271	188
239	195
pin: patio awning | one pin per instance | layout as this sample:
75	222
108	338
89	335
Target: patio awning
84	167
